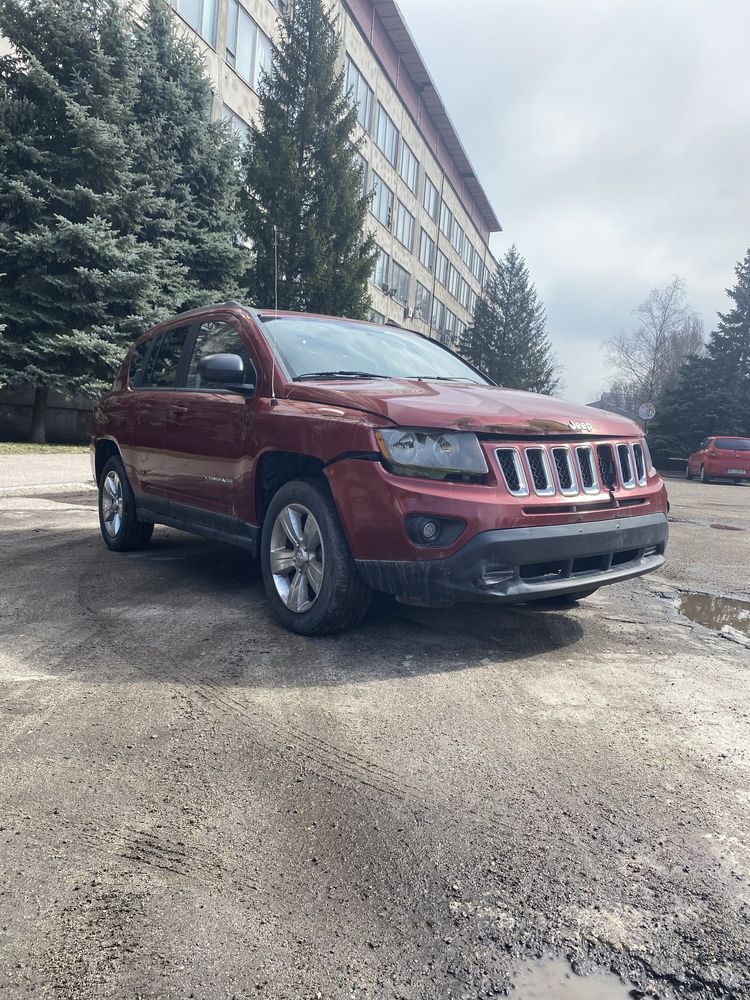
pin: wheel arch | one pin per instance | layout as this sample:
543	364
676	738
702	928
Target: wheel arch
275	468
105	449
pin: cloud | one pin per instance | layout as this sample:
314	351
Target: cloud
613	139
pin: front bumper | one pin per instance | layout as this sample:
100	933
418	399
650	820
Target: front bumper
523	564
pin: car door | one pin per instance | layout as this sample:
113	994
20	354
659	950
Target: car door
207	428
153	386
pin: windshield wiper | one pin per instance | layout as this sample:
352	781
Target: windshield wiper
444	378
339	374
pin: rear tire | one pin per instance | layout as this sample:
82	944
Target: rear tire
118	520
704	477
688	473
310	577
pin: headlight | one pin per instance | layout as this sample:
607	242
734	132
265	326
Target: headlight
432	453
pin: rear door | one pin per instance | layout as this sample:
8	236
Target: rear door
153	387
207	430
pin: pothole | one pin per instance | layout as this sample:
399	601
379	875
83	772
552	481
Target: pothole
718	613
552	979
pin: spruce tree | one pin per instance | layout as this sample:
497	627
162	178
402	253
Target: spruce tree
301	176
507	338
711	392
189	161
75	280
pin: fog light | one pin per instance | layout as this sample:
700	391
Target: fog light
430	531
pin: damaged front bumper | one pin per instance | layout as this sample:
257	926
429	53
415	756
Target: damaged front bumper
515	565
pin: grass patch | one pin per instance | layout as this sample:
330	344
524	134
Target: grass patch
26	448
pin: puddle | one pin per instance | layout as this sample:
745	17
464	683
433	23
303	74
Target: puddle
717	612
554	980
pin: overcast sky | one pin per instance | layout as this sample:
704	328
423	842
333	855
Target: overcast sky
613	140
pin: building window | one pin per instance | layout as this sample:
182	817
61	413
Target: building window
360	94
238	125
405	226
460	330
400	278
426	249
476	266
468	251
441	268
382	202
485	277
200	15
450	323
249	50
453	281
361	163
463	293
375	317
457	237
446	221
438	314
422	302
380	271
431	198
386	135
408	167
473	299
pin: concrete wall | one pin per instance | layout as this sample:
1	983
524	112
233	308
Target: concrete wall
68	420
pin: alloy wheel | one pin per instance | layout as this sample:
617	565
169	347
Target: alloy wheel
112	504
297	558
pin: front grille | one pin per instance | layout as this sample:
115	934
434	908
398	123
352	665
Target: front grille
607	470
564	470
575	469
510	466
541	476
640	464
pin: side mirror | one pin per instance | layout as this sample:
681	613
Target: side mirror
225	370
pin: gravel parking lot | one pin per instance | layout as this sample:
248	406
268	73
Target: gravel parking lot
197	803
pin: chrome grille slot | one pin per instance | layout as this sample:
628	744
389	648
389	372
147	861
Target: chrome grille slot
566	479
625	463
510	465
607	468
541	474
640	464
587	468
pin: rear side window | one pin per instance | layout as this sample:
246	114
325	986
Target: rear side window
161	371
732	444
138	362
217	337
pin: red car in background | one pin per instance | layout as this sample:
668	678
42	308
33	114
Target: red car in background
720	458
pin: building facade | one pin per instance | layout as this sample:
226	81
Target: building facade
431	218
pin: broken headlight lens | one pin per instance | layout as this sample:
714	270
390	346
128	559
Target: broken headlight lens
432	453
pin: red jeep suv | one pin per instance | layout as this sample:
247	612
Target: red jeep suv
354	457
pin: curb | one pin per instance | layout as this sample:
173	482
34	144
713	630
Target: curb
44	489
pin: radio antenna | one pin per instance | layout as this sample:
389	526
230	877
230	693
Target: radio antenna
274	400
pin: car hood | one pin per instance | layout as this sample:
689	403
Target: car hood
457	406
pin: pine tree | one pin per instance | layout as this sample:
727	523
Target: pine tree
711	393
301	176
75	280
508	338
190	161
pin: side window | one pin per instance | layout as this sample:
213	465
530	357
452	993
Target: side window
138	361
217	337
161	371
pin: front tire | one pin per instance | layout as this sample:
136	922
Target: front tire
704	478
118	520
310	577
688	473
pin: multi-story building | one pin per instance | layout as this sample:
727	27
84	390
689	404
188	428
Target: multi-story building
430	215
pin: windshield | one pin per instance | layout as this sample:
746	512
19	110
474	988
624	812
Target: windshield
732	444
310	347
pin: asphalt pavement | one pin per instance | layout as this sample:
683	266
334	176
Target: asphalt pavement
196	803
